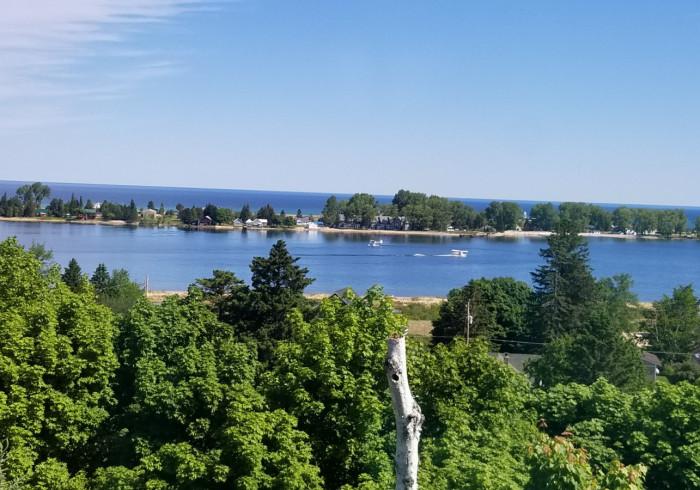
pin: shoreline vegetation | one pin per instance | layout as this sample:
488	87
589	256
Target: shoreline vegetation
258	384
255	383
349	231
409	214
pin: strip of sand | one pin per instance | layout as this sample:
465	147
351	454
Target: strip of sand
348	231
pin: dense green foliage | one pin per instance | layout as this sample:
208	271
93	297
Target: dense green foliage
176	395
418	211
117	291
56	366
576	324
673	329
499	309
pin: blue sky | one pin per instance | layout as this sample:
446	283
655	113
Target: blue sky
581	100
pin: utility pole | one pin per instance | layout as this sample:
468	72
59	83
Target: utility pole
469	319
146	286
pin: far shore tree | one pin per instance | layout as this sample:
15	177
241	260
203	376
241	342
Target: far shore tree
543	217
245	213
504	216
331	212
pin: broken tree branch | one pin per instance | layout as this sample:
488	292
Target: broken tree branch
409	419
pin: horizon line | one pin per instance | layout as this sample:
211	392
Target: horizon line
325	193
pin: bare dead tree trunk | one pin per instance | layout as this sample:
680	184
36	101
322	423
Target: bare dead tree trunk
409	418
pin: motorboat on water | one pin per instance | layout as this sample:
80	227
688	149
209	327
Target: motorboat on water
458	253
375	243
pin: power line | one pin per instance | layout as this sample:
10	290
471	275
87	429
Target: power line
515	341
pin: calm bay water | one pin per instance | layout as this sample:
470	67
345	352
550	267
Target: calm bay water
405	266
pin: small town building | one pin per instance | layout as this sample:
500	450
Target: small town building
257	222
652	365
87	214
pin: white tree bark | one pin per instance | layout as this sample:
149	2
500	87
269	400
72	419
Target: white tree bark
409	418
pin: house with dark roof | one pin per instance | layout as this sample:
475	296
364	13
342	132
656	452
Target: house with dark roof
652	364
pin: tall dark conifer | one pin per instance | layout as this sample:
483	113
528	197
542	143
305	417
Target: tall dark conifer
564	285
100	279
73	276
246	213
278	287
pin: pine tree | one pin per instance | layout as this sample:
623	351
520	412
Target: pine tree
100	279
132	212
73	276
564	285
246	214
278	287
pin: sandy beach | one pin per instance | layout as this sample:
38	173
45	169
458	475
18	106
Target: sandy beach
348	231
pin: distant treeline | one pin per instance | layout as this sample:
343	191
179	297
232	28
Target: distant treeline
214	215
28	201
407	211
417	211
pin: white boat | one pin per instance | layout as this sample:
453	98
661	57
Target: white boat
458	253
375	243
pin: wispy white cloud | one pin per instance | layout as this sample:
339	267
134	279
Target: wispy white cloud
44	42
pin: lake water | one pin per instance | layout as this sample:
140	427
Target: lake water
405	265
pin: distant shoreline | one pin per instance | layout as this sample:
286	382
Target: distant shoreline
349	231
158	296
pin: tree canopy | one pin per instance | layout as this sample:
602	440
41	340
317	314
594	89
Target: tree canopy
176	395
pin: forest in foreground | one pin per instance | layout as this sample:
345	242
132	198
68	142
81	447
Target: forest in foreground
253	386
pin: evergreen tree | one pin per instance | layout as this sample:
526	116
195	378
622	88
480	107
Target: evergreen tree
246	213
278	287
132	214
100	280
151	205
299	214
56	208
564	285
267	212
73	276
